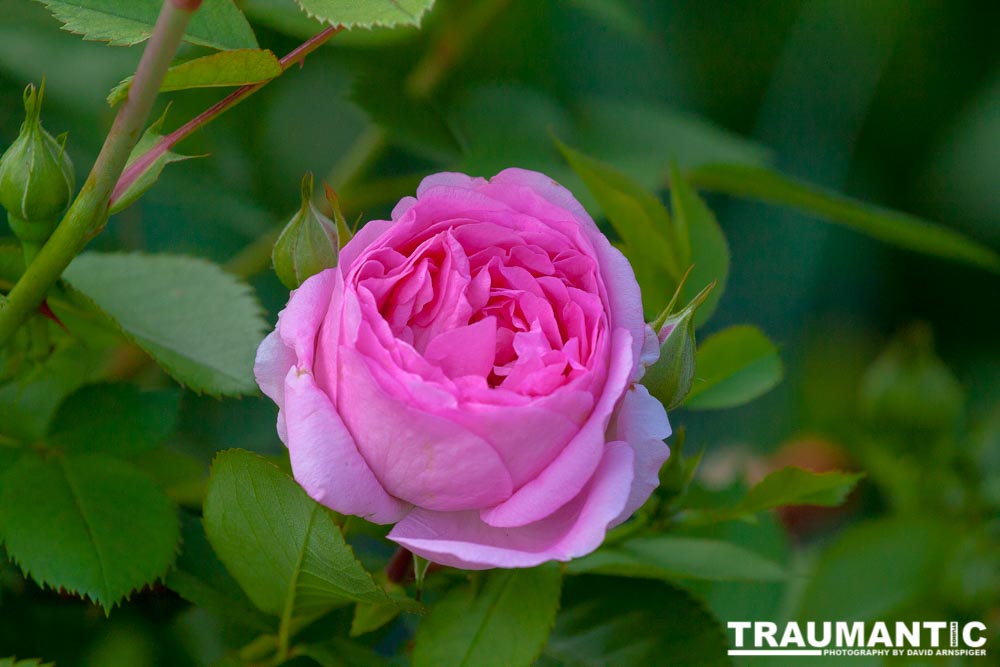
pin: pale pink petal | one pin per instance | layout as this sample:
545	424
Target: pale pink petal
461	539
271	366
363	239
642	422
299	322
325	460
418	456
563	479
450	179
548	189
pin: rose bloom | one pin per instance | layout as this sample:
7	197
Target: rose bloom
469	372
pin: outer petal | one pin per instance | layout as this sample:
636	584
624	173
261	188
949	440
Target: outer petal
461	539
362	239
325	460
299	322
271	366
642	422
418	456
568	473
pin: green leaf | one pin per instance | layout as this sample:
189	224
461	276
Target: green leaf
115	419
366	13
788	486
90	524
199	323
900	229
876	569
734	367
217	24
668	557
238	67
149	139
29	662
27	405
640	219
200	578
627	622
704	247
504	624
279	544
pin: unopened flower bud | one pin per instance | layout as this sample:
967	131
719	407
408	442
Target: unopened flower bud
308	244
36	176
669	379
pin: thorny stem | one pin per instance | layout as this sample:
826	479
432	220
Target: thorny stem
89	211
137	168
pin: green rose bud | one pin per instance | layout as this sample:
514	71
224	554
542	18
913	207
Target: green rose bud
36	176
310	242
669	379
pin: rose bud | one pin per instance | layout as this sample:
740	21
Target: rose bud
671	377
36	177
310	242
468	371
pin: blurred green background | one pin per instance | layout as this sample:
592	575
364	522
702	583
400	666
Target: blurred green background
893	101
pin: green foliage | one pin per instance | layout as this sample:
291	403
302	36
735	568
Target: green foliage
366	13
629	622
29	662
199	323
734	367
151	173
238	67
703	246
502	622
114	419
199	577
877	569
89	524
217	24
281	546
668	557
787	486
892	227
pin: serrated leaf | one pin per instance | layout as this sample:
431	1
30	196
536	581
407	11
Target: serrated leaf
280	545
734	366
218	24
703	245
668	557
151	173
199	323
114	419
640	219
366	13
628	622
238	67
787	486
893	227
504	623
90	524
200	578
27	404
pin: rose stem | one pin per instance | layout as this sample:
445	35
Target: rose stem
88	214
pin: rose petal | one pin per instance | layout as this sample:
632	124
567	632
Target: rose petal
418	456
461	539
642	422
271	366
299	322
325	460
568	473
467	350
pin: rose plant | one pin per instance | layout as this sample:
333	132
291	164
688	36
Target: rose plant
480	381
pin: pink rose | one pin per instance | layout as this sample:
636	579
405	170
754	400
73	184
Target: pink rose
468	372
